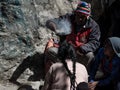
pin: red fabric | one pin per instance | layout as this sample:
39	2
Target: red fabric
80	38
56	45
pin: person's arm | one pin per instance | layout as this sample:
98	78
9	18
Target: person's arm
95	65
48	79
114	74
93	41
92	83
56	24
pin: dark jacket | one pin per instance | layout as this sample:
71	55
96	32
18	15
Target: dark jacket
85	38
111	69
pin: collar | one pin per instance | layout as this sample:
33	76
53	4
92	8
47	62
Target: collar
88	23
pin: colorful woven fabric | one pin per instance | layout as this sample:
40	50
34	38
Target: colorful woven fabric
84	8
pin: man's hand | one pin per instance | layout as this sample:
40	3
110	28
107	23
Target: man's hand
50	43
92	85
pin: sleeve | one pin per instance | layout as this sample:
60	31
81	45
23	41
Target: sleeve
48	79
51	24
114	74
95	65
55	23
93	41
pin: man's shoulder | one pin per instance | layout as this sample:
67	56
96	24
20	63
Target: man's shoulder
92	22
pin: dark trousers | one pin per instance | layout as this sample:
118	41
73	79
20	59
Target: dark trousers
51	57
107	87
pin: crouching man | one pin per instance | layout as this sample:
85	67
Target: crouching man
84	35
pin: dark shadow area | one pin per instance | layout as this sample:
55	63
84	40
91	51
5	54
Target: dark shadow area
35	63
25	87
109	21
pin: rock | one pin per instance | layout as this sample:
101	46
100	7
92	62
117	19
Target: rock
98	7
8	87
23	31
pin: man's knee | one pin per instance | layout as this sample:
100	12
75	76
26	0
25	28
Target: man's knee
51	53
90	56
90	59
52	50
86	59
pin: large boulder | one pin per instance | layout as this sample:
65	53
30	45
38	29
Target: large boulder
23	31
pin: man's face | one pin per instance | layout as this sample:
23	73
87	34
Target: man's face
108	50
80	18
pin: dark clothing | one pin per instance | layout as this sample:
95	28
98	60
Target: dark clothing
86	38
52	57
111	69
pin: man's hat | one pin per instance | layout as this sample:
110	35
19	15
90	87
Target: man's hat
84	8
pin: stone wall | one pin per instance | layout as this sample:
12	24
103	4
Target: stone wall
23	31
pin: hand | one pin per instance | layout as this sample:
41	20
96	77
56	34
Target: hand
92	85
50	43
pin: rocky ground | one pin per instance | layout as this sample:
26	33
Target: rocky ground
10	86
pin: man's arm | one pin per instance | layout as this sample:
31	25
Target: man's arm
93	41
95	65
57	23
114	74
48	79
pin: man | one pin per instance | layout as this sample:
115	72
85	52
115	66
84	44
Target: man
84	36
